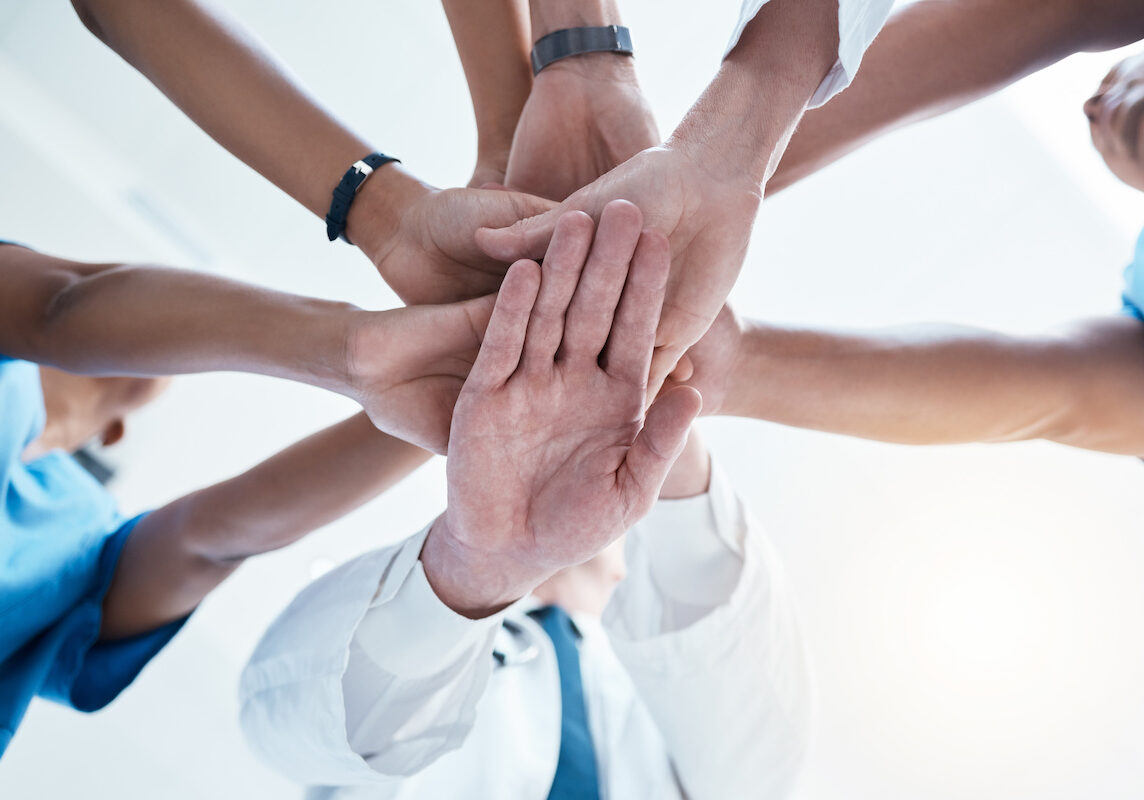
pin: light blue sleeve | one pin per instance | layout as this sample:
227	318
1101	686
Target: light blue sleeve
1133	296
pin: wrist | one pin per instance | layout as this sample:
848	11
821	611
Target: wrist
749	373
602	67
553	15
375	217
465	579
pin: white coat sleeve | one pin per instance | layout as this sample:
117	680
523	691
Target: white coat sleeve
704	626
366	677
859	21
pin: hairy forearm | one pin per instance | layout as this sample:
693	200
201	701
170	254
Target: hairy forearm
493	39
936	55
739	127
182	551
1083	386
127	320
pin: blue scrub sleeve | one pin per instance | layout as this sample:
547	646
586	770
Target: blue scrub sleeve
89	673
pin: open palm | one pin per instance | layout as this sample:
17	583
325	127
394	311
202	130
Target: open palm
551	456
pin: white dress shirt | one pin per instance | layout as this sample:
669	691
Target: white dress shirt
858	23
695	683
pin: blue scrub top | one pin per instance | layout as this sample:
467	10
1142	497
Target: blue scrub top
1134	283
60	539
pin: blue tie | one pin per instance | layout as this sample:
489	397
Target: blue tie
576	777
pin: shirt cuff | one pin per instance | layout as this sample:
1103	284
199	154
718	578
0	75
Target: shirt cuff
675	601
692	548
442	635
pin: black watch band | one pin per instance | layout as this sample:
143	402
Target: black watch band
346	190
574	41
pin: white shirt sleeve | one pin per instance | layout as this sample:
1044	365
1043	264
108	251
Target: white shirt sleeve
366	654
704	626
858	23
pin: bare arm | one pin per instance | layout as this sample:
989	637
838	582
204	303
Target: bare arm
939	384
179	553
419	238
936	55
405	366
493	39
144	320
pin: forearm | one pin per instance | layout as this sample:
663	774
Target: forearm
936	55
739	127
182	551
126	320
233	88
932	385
493	40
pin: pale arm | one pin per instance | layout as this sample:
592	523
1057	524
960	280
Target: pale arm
1082	386
936	55
176	555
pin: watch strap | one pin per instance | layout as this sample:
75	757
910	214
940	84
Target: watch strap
575	41
346	190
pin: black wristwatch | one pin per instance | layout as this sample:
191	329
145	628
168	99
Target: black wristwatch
574	41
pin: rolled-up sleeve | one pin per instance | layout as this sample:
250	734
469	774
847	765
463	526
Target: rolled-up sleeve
366	677
859	21
704	626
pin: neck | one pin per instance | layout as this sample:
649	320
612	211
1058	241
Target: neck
57	433
581	589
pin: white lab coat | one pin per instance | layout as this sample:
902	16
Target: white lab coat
695	683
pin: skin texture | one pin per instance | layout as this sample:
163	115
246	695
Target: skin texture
702	188
179	553
553	457
493	39
585	115
1082	385
587	587
937	55
405	366
418	237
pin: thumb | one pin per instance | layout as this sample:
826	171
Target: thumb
528	237
658	444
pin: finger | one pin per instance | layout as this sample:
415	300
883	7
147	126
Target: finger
656	447
683	371
500	351
563	264
632	336
527	237
494	186
663	362
593	306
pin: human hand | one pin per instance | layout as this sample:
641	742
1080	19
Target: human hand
707	221
421	239
584	116
407	365
712	364
1116	120
549	462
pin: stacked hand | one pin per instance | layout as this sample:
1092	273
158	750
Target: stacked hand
583	117
551	455
707	221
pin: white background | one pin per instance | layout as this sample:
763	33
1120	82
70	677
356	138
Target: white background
974	614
